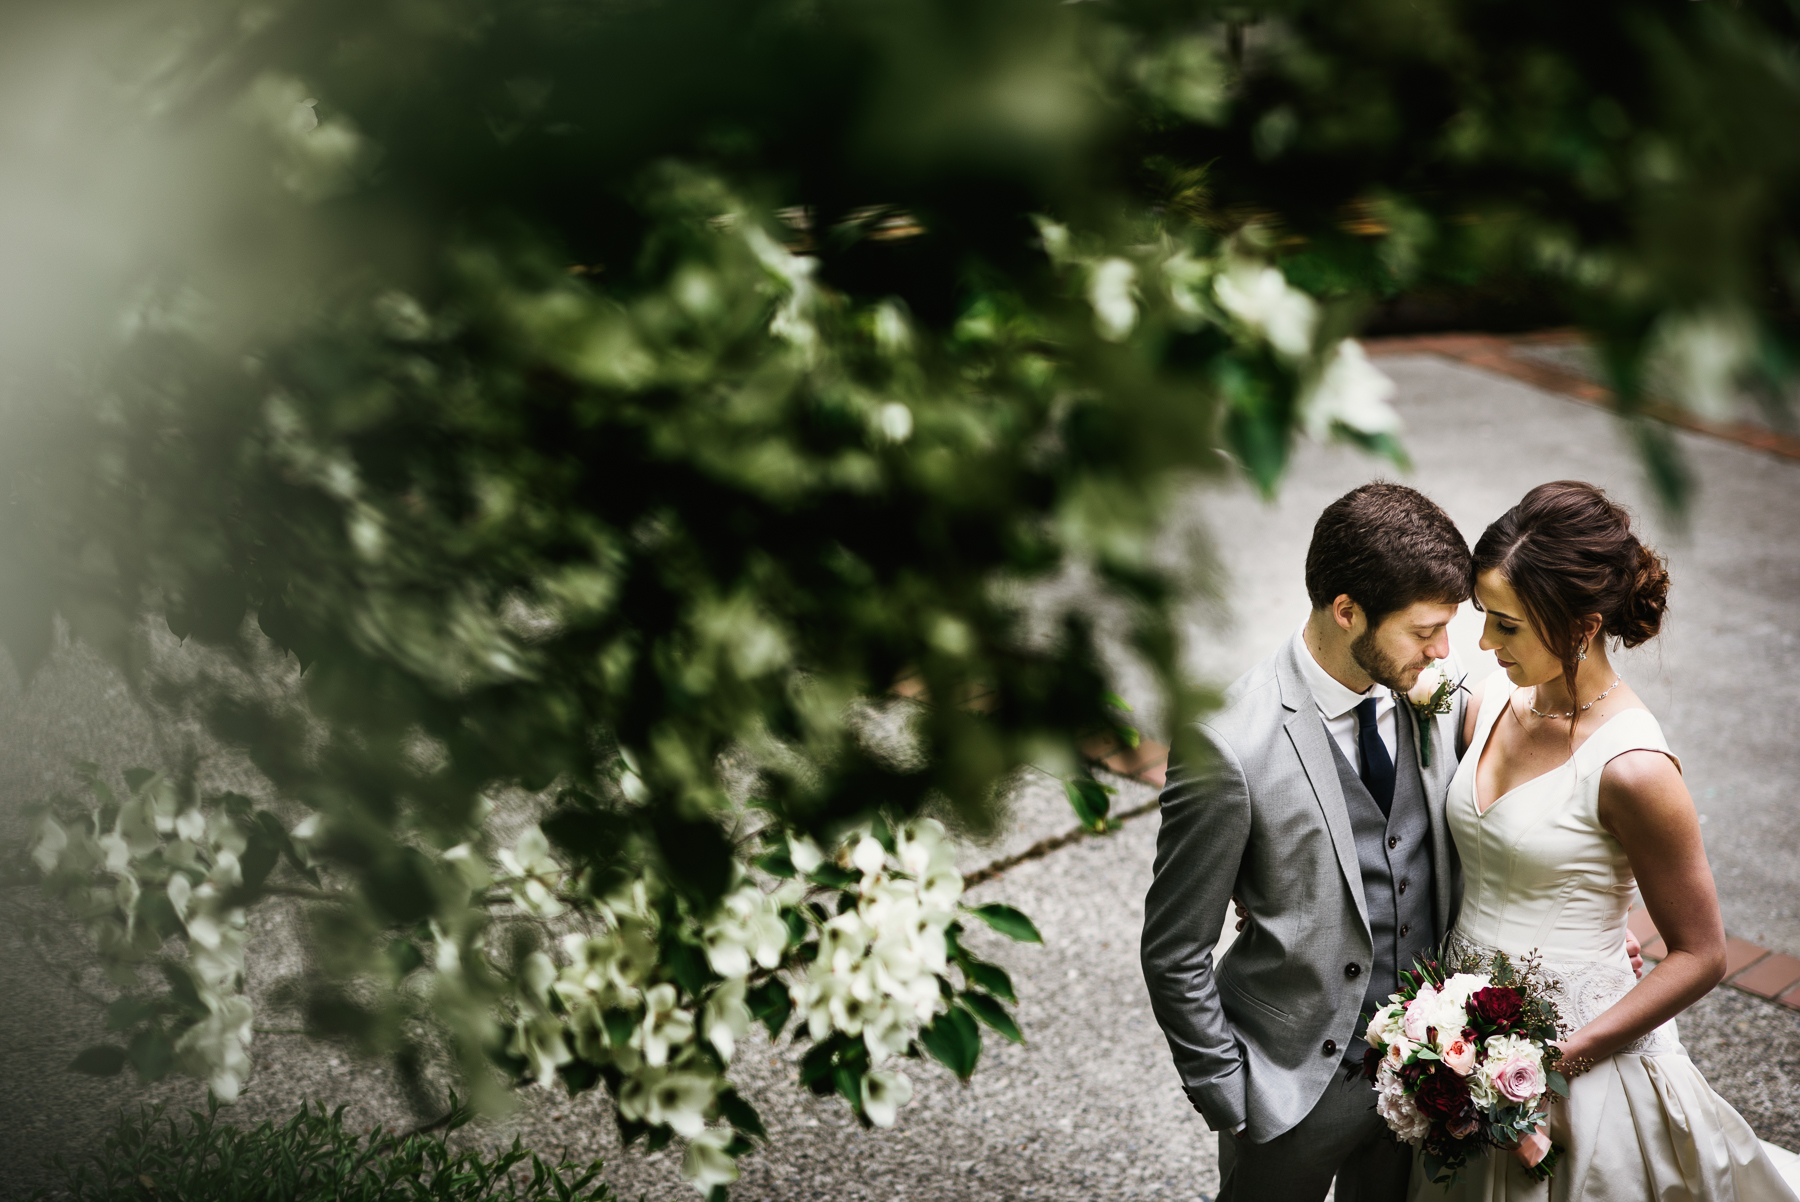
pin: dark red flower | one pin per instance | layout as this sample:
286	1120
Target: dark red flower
1371	1063
1442	1094
1497	1006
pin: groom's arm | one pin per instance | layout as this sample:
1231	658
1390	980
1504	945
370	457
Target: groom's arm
1199	849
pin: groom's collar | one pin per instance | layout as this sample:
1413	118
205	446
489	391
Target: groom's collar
1333	698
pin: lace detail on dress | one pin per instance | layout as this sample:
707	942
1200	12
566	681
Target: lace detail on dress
1581	989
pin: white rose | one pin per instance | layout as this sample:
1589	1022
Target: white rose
1430	680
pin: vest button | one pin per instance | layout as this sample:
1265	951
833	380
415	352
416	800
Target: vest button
1353	970
1405	929
1393	842
1331	1047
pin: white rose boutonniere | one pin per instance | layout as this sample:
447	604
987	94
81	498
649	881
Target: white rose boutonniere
1432	694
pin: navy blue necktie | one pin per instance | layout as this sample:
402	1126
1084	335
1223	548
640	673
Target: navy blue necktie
1377	765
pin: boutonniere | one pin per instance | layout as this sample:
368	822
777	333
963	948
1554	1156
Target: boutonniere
1432	694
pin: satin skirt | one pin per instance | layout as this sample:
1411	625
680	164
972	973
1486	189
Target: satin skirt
1636	1128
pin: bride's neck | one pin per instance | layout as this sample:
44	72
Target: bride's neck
1592	676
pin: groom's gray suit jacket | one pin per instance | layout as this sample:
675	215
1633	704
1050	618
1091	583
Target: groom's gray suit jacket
1264	817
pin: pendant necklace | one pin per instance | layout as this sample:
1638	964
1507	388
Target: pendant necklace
1583	709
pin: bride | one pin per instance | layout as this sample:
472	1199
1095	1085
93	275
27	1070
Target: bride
1567	799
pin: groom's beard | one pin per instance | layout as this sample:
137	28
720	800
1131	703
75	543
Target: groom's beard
1382	668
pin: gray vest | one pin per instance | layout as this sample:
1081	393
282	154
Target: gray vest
1394	853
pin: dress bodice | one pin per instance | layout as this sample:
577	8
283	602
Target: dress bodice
1539	871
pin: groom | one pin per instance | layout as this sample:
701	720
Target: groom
1313	808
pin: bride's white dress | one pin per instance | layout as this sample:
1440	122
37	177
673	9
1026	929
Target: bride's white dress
1541	874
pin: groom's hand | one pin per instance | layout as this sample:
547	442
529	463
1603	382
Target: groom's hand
1633	948
1243	916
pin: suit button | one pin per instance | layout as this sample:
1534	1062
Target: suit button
1404	930
1353	970
1393	842
1331	1047
1402	887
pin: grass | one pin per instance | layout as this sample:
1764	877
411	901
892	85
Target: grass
312	1157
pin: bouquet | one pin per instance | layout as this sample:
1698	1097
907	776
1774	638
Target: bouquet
1462	1063
1432	694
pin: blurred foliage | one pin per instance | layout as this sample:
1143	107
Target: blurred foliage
607	399
313	1157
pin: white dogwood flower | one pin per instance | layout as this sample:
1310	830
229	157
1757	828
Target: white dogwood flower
726	1018
666	1025
538	1040
1112	285
706	1163
746	927
217	1047
534	874
1350	392
1260	296
883	1093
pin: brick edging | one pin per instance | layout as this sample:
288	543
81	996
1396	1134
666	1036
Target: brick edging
1749	967
1494	352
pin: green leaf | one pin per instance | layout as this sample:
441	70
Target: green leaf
833	877
770	1003
405	956
990	977
1008	922
152	1054
740	1114
1559	1084
955	1040
1090	799
102	1060
127	1012
815	1068
181	987
1117	702
991	1012
776	863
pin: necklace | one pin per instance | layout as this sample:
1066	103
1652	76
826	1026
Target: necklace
1583	709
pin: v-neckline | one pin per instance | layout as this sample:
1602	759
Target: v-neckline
1475	781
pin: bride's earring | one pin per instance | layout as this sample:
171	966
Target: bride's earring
1581	651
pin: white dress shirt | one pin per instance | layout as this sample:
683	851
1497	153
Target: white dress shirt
1337	705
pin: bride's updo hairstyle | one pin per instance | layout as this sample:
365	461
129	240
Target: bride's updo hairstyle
1568	551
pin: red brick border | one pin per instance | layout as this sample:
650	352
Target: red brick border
1749	967
1494	352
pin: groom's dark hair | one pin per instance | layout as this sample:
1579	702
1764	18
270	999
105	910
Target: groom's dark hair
1387	546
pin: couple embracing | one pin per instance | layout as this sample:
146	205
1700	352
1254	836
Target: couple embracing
1358	834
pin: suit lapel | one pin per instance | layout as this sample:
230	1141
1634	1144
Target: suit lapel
1436	782
1306	729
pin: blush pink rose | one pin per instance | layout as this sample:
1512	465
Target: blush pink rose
1519	1079
1459	1056
1418	1014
